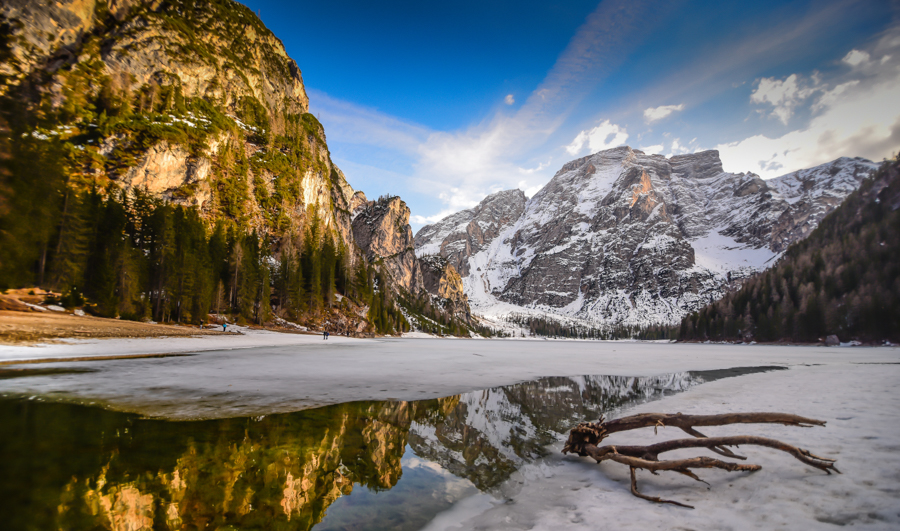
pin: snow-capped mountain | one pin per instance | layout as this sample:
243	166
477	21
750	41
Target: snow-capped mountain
461	235
625	238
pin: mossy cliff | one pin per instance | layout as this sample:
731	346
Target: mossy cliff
190	109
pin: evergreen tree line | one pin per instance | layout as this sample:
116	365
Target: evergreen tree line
844	279
137	257
433	320
384	315
539	326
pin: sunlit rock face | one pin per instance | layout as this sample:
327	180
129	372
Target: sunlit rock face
212	95
381	229
440	278
621	237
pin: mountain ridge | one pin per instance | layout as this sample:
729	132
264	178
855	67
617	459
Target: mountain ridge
620	237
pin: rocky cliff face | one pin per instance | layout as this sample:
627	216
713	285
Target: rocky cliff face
381	229
198	104
195	102
621	237
218	50
442	280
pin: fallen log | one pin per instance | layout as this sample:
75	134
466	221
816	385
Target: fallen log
585	440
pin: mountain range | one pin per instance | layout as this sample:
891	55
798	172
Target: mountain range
625	238
183	130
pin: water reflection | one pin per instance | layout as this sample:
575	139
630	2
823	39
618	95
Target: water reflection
76	467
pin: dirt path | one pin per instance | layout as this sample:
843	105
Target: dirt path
31	327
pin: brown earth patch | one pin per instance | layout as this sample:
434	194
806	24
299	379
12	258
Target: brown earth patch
33	327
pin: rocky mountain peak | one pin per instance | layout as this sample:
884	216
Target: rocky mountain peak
623	237
218	50
461	235
699	165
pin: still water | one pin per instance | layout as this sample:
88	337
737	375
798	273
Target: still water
360	465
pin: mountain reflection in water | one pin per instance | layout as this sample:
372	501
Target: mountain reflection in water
77	467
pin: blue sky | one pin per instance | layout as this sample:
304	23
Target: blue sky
443	103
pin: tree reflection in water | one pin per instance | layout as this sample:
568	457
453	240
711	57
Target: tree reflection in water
77	467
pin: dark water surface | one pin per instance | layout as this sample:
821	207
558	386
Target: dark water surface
359	465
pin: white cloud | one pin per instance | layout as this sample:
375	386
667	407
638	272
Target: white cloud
856	57
654	114
539	167
831	97
428	220
653	150
509	99
885	59
785	95
604	136
680	149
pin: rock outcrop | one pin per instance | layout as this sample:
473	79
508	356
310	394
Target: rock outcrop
225	53
441	279
195	103
625	238
381	229
193	94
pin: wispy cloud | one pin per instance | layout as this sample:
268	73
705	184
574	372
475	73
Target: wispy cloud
356	124
654	114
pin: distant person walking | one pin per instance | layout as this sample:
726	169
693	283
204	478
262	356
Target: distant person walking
224	326
327	334
324	335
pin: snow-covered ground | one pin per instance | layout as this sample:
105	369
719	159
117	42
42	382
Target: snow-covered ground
237	337
722	254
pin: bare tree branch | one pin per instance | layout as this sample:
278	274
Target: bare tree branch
585	440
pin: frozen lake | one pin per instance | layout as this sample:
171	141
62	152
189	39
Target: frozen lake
435	434
308	372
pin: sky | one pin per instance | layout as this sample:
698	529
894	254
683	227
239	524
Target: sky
443	103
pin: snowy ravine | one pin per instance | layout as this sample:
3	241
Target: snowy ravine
625	238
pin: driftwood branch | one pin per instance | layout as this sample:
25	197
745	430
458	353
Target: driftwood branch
585	440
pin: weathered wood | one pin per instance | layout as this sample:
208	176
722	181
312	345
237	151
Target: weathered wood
585	440
678	420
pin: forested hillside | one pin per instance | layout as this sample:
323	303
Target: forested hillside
844	279
158	161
